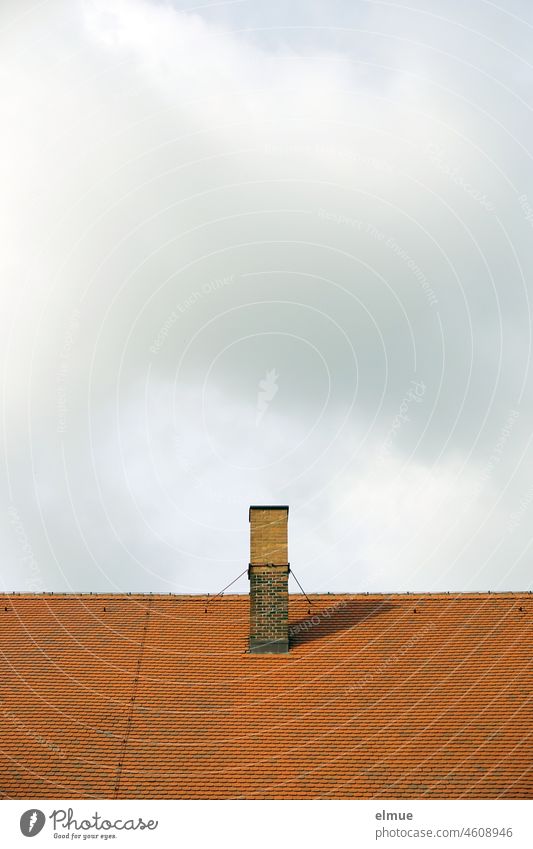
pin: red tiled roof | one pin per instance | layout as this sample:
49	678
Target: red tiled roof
150	697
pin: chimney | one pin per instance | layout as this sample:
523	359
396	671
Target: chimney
269	580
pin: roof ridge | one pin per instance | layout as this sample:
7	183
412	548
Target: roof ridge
201	597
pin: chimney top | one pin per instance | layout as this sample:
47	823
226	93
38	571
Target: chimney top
267	507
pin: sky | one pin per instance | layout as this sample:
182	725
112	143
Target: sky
264	253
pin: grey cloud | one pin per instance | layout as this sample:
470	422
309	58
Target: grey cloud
347	210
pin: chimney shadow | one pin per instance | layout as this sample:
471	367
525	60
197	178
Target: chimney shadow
338	616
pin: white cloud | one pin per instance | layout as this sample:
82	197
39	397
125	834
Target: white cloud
151	151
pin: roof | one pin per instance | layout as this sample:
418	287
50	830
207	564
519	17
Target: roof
381	696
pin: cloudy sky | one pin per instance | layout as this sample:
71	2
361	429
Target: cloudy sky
266	253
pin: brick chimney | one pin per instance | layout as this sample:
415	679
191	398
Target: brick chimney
269	580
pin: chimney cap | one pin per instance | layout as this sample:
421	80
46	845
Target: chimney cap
267	507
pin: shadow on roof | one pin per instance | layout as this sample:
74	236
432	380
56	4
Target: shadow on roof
341	616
